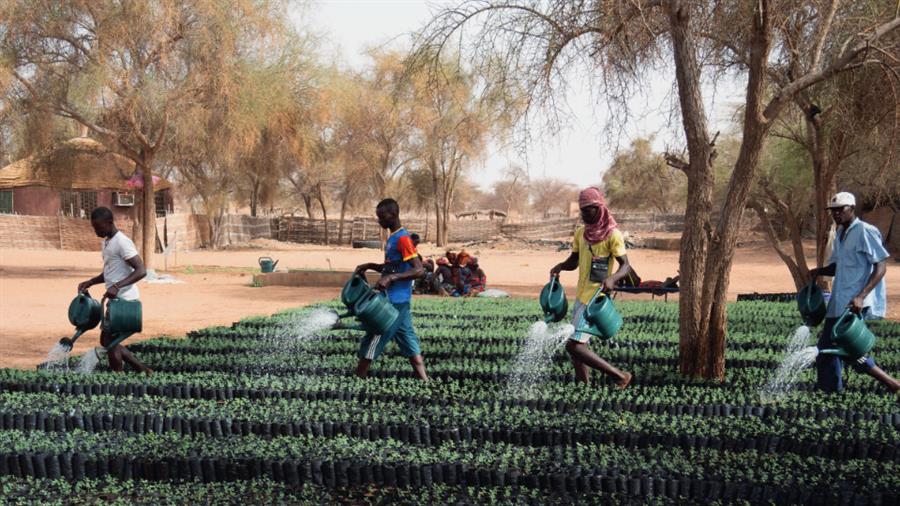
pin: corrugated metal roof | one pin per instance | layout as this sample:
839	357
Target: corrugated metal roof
81	163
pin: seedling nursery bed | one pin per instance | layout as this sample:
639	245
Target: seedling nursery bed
266	412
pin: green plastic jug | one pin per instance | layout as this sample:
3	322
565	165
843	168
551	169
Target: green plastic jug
601	318
266	264
123	318
553	301
811	304
852	338
375	313
85	314
354	290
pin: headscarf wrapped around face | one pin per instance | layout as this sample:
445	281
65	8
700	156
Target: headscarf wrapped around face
599	231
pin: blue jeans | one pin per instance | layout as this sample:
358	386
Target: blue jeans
401	331
828	367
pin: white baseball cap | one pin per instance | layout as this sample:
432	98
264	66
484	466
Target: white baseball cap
841	199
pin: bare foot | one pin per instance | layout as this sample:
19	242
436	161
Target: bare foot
148	371
622	385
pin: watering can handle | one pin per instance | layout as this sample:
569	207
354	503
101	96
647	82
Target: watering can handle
263	258
849	310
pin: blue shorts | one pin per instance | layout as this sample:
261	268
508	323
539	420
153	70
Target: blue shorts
828	367
402	332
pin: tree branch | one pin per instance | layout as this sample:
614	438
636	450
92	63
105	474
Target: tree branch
676	162
823	30
814	77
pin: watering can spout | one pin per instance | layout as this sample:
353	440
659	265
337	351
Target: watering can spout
834	351
68	343
275	264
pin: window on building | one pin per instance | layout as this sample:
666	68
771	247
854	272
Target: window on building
77	204
6	201
161	205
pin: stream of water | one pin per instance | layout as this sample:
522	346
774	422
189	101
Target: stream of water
57	359
88	363
798	356
532	365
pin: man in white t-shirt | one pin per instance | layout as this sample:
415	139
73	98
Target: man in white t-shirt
122	268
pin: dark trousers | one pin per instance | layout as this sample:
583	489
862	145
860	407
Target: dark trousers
828	367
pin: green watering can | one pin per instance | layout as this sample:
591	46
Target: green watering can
374	311
553	301
266	264
852	339
600	317
811	304
123	318
354	289
85	314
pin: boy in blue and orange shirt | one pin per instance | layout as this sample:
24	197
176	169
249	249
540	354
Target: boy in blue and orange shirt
401	267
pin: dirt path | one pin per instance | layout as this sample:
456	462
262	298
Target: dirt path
37	285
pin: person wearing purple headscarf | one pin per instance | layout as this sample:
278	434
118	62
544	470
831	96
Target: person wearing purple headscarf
596	248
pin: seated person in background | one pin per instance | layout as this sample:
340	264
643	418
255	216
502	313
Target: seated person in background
463	278
423	285
477	280
443	278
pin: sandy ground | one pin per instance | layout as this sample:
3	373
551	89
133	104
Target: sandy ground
37	285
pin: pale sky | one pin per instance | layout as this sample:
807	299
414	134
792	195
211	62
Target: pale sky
579	154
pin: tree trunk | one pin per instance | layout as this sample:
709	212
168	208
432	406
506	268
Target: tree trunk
343	214
254	195
438	225
307	203
321	199
445	231
708	361
148	238
694	314
798	271
138	221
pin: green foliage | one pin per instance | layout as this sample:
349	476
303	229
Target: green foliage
640	179
257	393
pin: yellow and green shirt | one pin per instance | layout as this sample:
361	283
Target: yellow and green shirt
613	246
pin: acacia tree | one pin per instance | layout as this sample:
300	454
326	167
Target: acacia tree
639	178
452	125
550	194
621	41
235	117
378	111
513	189
840	123
124	68
782	199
